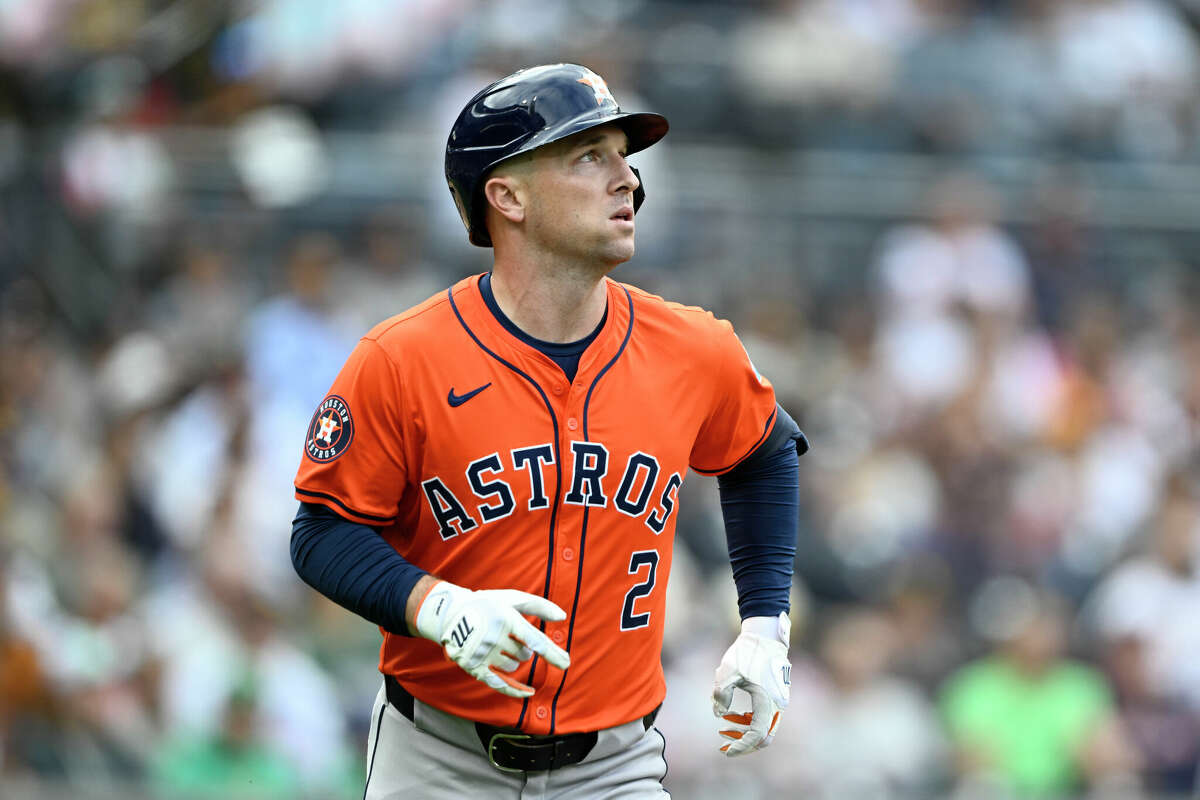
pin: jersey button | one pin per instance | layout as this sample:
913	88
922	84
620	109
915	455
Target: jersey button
568	554
558	389
572	424
557	636
542	712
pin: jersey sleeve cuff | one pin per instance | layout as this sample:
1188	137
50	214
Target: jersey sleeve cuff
340	508
768	426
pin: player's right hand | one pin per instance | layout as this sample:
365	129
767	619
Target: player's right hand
484	633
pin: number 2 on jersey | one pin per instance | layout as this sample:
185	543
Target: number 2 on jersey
641	558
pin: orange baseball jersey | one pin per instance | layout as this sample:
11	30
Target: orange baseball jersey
483	465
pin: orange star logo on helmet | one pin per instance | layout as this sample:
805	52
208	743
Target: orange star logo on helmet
600	88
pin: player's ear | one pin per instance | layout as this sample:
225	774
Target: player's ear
505	194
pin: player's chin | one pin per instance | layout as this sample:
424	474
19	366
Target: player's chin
618	255
620	248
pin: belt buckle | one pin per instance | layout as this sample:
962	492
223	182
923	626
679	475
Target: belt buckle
492	745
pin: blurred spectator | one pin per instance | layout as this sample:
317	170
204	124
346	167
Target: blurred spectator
960	258
1145	89
390	273
52	396
81	621
231	764
201	310
219	634
298	715
827	54
294	345
293	338
1024	717
1060	248
1165	733
929	276
862	732
187	460
303	49
29	712
115	163
951	94
116	169
102	661
886	506
279	156
928	642
1154	375
1153	598
773	334
194	640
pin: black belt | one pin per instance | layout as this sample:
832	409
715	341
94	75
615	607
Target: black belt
512	750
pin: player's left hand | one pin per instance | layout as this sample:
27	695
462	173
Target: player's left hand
757	662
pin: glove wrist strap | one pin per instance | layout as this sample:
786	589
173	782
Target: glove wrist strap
777	628
431	614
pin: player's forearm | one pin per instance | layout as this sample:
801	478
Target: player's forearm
352	565
760	503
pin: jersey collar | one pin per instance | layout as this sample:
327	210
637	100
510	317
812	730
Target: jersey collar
608	342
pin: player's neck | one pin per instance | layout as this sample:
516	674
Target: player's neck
559	306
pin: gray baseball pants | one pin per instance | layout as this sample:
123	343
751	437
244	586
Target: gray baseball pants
438	756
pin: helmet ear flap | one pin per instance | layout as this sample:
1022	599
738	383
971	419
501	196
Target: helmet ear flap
639	194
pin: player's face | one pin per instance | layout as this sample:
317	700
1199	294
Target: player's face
581	204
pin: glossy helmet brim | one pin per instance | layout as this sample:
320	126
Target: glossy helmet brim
642	128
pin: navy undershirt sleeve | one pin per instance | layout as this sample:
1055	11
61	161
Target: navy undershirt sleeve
760	503
353	566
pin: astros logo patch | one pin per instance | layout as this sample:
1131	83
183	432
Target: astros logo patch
331	430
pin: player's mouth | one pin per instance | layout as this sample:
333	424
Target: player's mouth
625	214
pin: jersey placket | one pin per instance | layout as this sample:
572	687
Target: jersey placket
586	464
565	569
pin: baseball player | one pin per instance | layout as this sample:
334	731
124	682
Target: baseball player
494	476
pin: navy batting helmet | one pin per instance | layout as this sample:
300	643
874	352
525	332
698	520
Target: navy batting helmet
528	109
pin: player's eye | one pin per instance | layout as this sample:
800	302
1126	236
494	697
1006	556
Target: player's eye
589	155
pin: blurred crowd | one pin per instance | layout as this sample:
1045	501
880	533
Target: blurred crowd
997	573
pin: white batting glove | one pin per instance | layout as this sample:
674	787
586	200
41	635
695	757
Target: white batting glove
484	632
757	662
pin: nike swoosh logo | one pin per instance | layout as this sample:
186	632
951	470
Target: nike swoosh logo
456	400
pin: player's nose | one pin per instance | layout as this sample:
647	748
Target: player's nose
627	178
